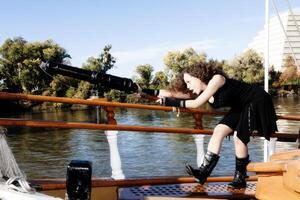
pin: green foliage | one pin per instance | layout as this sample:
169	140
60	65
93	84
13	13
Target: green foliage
274	77
247	67
83	90
131	98
19	64
145	79
70	92
116	95
145	75
20	71
103	63
176	61
160	80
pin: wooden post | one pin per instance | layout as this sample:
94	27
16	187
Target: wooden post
198	120
199	139
110	115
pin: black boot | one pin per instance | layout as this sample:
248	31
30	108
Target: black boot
209	163
240	175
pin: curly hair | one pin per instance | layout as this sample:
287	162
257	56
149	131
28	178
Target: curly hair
202	70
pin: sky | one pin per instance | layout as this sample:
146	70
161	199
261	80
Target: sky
140	31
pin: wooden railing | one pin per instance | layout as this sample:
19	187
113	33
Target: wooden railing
54	184
112	123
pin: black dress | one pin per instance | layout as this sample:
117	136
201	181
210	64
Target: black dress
252	109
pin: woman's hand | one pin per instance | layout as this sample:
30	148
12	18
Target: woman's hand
146	93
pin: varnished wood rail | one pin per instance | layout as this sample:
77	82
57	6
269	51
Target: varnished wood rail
78	125
112	124
95	102
289	117
54	184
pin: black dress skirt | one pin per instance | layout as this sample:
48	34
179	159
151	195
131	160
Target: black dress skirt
252	109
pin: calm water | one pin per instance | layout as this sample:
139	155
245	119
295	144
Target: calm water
45	153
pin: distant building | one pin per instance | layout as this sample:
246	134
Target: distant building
279	48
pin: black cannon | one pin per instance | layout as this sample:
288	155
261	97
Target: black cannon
106	81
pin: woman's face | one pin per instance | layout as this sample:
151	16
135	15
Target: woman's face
194	84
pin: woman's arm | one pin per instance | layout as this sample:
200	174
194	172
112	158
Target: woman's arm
213	85
163	93
173	94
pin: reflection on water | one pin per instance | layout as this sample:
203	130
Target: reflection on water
288	106
47	152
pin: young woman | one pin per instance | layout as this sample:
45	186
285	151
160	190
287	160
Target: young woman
251	111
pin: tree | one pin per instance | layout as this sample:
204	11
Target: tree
11	55
289	73
274	77
145	79
19	64
101	64
247	67
176	61
160	80
145	75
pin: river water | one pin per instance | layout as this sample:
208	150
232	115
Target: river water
45	153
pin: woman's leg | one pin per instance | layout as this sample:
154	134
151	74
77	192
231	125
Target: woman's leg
215	143
212	156
241	162
241	150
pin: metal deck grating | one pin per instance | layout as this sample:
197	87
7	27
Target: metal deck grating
187	190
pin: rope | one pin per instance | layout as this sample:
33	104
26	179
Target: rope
8	165
9	168
18	184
